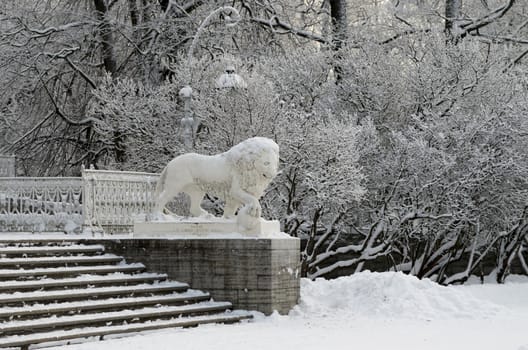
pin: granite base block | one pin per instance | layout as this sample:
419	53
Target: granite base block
261	274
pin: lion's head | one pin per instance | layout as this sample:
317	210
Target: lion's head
257	160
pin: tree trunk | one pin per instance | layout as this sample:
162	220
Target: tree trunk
134	15
105	31
308	254
147	11
453	13
109	61
339	28
164	4
339	22
510	245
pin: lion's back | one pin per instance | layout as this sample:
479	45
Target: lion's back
202	167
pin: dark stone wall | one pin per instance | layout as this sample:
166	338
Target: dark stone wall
253	274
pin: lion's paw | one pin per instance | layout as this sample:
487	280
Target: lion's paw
245	220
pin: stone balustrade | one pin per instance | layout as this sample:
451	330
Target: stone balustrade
102	200
113	200
38	204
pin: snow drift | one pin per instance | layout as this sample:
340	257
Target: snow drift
388	295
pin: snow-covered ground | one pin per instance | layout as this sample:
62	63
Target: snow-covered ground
365	311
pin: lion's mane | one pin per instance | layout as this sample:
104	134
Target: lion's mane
244	157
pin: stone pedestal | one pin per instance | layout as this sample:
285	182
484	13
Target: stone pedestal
201	228
253	273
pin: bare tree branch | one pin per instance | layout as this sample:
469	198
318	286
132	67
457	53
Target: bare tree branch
405	33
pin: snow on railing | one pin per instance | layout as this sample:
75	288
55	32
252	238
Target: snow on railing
7	166
38	204
113	200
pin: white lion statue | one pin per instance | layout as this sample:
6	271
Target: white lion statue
239	176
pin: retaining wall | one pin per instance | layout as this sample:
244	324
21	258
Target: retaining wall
253	274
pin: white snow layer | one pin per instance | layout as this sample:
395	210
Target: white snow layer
365	311
388	295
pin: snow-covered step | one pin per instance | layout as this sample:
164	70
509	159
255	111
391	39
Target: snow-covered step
56	290
22	239
88	293
83	280
113	316
71	270
188	296
38	338
51	249
61	260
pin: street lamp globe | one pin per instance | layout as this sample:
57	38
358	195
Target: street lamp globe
230	79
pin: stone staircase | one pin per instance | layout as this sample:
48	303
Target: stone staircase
56	291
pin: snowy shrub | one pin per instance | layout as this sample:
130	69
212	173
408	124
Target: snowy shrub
448	179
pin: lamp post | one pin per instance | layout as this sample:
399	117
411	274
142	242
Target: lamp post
187	122
231	17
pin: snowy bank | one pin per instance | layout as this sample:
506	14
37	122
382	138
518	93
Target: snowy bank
388	295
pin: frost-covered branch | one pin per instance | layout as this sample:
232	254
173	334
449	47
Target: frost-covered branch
487	19
275	23
40	32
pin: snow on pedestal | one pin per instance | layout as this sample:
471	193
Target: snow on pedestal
191	227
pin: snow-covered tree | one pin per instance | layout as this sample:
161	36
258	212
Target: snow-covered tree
448	176
139	123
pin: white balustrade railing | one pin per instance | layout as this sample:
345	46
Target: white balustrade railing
38	204
113	200
7	166
103	200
